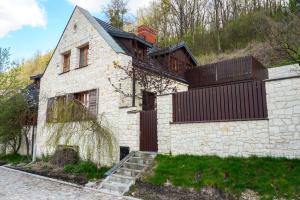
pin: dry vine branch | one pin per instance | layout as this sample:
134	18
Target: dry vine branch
156	82
72	121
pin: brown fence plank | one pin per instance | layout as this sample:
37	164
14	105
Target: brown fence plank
245	100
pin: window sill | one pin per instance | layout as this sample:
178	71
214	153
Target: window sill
82	66
64	72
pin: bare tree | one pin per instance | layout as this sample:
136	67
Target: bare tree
285	36
152	81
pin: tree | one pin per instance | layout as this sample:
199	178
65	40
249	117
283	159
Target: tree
284	36
116	13
15	111
69	122
7	74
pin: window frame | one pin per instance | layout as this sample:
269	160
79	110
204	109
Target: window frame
85	50
68	56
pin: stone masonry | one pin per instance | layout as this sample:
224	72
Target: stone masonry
122	122
279	135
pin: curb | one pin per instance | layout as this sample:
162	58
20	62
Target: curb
41	177
6	167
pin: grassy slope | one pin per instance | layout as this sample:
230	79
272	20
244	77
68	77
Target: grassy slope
34	66
262	51
267	176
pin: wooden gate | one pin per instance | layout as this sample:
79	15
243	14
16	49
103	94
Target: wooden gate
148	126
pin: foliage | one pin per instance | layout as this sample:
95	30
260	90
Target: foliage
215	26
116	12
8	72
33	66
73	121
11	121
270	177
87	168
14	159
284	36
65	155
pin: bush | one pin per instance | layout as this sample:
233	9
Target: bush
14	159
87	168
64	156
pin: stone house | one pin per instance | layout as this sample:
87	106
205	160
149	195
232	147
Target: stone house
82	65
232	108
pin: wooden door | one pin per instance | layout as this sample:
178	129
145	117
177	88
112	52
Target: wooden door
148	126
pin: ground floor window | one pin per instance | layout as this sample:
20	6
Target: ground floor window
58	106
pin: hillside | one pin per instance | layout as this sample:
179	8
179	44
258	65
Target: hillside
267	55
34	66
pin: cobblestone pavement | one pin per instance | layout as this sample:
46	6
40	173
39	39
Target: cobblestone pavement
15	185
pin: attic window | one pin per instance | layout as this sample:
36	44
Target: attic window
66	63
83	59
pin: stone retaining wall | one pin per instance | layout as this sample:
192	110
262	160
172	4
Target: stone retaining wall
278	136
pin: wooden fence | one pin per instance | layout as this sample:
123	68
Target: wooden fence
240	101
228	71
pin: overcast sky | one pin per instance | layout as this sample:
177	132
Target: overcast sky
28	26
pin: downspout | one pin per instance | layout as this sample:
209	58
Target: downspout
32	140
133	88
34	144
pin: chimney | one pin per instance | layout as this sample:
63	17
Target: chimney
147	33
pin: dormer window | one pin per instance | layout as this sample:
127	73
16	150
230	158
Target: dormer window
174	65
66	62
83	59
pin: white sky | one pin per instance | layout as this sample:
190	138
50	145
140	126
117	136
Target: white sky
14	14
96	5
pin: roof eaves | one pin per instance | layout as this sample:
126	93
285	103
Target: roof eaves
108	38
174	48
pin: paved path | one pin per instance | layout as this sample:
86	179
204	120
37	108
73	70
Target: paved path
15	185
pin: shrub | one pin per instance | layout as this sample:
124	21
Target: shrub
64	156
87	168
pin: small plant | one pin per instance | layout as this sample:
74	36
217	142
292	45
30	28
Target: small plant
14	159
45	157
87	168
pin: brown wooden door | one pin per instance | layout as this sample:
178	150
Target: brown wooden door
148	126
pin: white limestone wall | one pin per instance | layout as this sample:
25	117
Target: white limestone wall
284	71
279	135
94	76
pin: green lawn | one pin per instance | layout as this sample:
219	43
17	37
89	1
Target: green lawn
87	168
269	177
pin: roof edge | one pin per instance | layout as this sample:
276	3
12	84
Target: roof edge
111	42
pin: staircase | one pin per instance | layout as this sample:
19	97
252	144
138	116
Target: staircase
123	175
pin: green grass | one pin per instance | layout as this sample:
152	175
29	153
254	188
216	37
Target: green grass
87	168
269	177
14	159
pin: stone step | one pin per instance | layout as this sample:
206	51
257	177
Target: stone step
121	179
134	166
143	154
124	174
128	172
140	160
115	187
106	191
